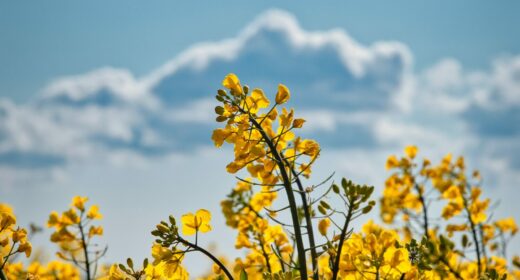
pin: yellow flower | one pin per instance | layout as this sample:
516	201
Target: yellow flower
54	219
19	235
256	101
7	220
392	162
26	248
220	135
507	224
198	222
70	217
232	83
323	226
167	263
93	213
398	259
282	95
79	202
410	151
452	192
298	123
95	231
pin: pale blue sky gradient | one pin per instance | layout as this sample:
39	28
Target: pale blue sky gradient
45	39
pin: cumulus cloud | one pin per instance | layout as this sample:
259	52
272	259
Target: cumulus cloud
361	98
140	135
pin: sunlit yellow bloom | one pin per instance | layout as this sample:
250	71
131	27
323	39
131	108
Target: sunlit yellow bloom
26	248
95	231
256	101
19	235
323	226
398	259
411	151
7	220
507	225
298	123
392	162
220	135
193	223
282	95
79	202
70	217
93	213
54	219
232	83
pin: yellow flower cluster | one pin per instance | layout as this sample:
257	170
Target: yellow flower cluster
247	129
375	253
13	239
413	187
168	251
74	234
52	271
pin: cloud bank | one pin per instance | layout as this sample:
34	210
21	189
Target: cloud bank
356	98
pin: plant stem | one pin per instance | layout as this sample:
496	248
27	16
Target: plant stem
2	276
308	224
335	268
302	262
264	253
453	271
85	251
425	211
475	237
209	255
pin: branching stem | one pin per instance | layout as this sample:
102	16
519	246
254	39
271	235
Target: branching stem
335	268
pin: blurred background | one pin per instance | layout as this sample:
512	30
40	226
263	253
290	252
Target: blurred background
114	100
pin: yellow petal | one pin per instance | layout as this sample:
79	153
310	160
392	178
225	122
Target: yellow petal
283	94
232	82
411	151
79	202
204	215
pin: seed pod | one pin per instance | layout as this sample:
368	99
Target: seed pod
162	228
335	188
172	219
219	110
325	204
221	119
130	263
322	210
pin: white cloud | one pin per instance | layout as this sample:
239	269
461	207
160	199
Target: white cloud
361	102
353	96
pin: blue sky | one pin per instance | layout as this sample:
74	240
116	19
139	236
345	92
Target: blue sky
43	40
114	100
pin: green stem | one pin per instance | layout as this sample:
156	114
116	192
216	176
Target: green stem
451	269
2	276
209	255
474	235
302	262
85	251
266	257
308	224
425	212
335	268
